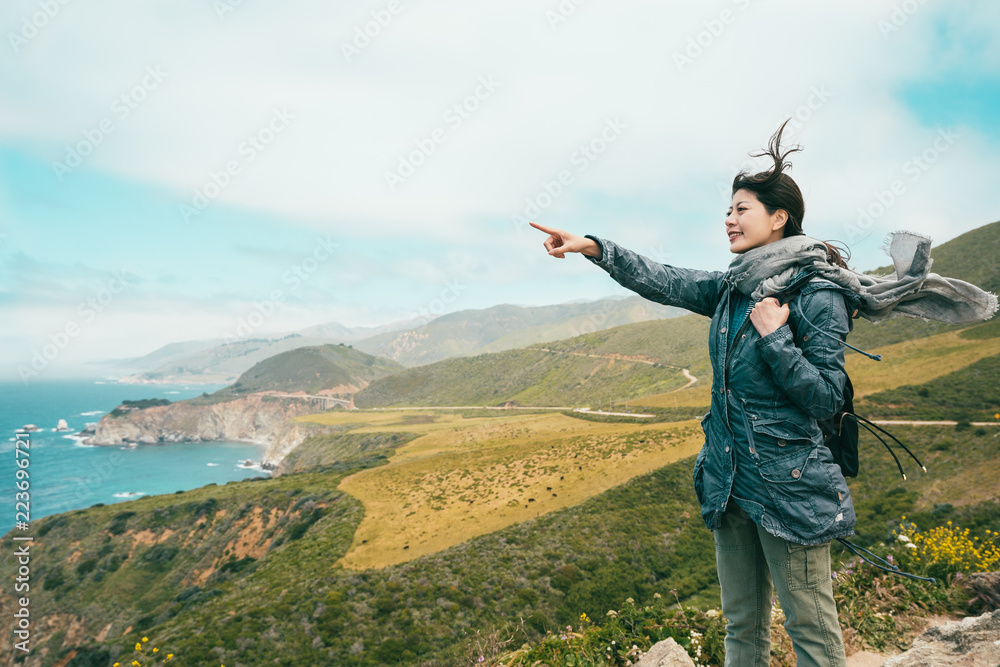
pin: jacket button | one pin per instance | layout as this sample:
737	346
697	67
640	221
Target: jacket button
727	448
796	473
781	443
805	338
729	391
743	336
723	329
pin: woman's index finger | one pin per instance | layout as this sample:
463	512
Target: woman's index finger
542	228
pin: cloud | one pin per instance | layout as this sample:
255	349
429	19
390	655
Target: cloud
478	112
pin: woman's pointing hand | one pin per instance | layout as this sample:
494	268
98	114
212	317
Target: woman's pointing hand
561	242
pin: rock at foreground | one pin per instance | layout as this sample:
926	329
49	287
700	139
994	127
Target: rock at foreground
667	653
971	642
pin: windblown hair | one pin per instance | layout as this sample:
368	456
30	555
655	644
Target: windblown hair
776	190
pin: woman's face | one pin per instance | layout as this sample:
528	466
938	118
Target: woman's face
749	225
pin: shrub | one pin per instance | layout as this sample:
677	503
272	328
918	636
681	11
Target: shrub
947	550
119	522
623	635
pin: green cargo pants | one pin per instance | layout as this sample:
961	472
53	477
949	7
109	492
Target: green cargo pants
748	558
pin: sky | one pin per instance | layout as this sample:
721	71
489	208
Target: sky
184	170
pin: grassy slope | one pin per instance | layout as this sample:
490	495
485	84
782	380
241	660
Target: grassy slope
293	606
968	394
462	480
528	377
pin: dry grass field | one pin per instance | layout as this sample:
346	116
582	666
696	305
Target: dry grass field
467	477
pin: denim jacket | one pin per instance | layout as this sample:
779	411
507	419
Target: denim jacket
763	447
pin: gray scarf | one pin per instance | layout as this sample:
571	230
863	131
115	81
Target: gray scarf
911	290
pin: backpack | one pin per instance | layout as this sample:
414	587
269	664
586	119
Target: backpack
840	432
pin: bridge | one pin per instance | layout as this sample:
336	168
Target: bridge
326	401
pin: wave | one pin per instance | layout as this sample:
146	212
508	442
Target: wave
247	464
78	440
92	413
212	464
130	494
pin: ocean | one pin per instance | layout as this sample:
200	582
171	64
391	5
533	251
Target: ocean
65	475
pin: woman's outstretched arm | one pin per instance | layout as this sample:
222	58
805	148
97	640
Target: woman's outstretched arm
691	289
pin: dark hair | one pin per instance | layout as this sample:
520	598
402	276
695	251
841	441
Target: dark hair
776	190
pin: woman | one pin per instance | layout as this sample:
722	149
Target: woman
767	483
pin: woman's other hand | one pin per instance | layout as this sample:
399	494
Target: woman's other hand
768	314
561	242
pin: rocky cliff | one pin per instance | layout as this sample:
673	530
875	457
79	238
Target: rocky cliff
254	418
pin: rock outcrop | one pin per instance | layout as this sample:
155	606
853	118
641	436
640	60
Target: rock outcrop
287	438
971	642
667	653
255	418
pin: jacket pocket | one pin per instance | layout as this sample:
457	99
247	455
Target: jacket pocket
781	433
803	491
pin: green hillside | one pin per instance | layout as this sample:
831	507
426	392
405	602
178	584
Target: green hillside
310	369
272	596
504	327
527	377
